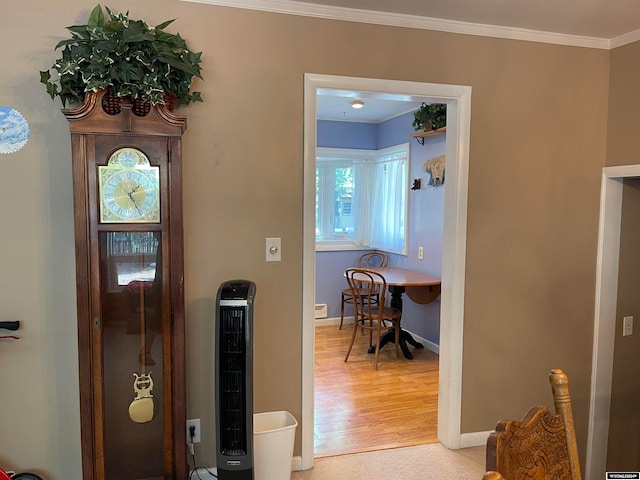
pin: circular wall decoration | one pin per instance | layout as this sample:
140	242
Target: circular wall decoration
14	130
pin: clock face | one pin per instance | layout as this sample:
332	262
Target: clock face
129	189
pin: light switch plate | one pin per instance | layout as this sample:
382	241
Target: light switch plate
627	326
273	249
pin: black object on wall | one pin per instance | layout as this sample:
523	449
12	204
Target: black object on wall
234	380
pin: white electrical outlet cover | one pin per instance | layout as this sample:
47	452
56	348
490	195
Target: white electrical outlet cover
196	437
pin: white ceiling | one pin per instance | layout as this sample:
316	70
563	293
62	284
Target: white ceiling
602	24
336	105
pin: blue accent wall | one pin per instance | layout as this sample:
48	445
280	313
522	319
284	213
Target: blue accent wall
360	136
426	207
395	131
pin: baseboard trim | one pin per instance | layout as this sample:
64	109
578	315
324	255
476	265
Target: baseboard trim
428	344
320	322
474	439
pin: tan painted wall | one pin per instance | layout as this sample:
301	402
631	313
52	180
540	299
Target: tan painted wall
623	142
537	146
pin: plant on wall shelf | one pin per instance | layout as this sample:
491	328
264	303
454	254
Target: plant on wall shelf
128	57
430	116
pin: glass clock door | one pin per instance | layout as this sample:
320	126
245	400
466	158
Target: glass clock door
132	354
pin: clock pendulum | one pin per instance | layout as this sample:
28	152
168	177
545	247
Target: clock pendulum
141	407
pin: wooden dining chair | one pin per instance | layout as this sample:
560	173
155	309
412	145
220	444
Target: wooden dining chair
367	260
542	446
374	317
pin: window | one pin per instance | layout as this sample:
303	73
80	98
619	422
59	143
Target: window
361	198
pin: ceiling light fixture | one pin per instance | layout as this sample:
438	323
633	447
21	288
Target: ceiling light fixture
357	104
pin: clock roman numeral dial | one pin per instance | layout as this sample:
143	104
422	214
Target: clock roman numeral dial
129	192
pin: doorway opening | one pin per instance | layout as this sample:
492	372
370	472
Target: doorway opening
458	100
608	257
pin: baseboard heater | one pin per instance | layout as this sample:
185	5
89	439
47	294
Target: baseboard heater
320	310
234	380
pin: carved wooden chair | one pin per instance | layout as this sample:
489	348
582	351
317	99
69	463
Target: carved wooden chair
542	446
371	316
367	260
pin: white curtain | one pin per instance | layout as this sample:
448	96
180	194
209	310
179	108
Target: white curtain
379	197
389	203
362	202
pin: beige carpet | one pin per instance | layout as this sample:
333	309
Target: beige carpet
412	463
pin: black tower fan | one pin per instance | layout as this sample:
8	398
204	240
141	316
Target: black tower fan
234	380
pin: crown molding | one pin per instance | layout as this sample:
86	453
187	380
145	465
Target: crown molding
292	7
625	39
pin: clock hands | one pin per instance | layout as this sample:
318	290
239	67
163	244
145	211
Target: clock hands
133	200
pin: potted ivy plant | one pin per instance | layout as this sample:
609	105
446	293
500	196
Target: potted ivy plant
125	57
430	116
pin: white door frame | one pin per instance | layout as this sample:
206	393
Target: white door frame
608	257
458	99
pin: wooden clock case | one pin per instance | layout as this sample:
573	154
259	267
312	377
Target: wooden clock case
112	310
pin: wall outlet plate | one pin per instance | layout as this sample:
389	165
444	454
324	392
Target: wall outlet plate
196	436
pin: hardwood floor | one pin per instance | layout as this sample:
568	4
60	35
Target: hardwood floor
358	409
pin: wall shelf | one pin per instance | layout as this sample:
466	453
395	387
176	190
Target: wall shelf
420	136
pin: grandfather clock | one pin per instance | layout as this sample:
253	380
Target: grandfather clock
130	298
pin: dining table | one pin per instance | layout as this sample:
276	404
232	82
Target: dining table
419	287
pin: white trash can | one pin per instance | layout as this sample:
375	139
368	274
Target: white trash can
274	434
